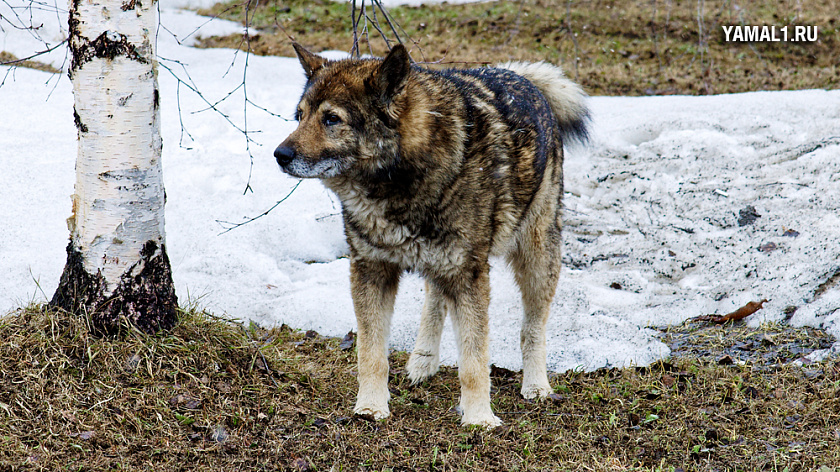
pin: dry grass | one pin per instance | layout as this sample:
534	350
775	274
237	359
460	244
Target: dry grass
212	394
641	47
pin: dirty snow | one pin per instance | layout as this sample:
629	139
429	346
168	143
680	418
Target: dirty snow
653	206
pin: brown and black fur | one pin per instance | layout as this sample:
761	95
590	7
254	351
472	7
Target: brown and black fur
436	172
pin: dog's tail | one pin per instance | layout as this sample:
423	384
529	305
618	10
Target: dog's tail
567	99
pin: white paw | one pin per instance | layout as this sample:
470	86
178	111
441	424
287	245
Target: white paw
486	420
536	390
377	412
421	366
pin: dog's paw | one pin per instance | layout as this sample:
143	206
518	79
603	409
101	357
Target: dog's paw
369	411
536	391
421	366
485	420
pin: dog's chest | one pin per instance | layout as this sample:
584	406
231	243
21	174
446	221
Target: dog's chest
376	235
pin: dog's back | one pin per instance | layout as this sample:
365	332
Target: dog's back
492	141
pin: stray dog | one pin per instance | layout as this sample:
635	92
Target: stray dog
437	171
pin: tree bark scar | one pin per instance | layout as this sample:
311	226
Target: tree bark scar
147	299
107	45
77	288
77	120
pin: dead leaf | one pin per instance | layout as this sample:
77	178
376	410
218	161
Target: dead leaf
348	341
132	363
736	315
219	434
300	464
768	247
556	397
744	311
790	233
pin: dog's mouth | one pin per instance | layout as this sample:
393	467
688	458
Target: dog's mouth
296	165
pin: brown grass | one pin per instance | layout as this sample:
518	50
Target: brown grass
9	59
217	395
649	47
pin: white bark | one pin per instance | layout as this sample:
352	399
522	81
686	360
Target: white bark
118	204
117	265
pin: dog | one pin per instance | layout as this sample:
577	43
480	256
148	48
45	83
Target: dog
437	171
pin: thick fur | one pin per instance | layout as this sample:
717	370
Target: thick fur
436	172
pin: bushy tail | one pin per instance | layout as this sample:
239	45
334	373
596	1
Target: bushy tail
567	99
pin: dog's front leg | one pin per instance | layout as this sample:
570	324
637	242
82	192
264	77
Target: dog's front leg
373	285
472	331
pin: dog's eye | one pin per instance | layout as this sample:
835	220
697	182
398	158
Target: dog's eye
298	114
331	119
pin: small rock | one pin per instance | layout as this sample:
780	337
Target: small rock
747	216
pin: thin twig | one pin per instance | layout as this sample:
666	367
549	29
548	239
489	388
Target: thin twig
574	39
355	51
40	53
655	39
249	220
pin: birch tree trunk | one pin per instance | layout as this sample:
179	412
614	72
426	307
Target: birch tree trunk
116	260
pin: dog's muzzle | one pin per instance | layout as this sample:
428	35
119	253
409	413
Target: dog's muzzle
284	155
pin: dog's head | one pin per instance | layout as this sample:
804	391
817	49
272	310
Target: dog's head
347	117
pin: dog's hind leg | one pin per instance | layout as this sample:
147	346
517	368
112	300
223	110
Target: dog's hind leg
472	327
536	265
424	361
374	287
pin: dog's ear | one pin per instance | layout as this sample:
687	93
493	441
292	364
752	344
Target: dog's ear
390	76
310	62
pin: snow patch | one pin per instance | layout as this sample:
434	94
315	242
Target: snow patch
652	233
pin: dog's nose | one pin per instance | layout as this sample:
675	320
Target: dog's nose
284	155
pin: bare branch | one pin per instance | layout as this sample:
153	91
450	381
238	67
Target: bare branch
233	226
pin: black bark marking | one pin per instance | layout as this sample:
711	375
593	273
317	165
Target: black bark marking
146	300
122	101
77	120
77	288
107	45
